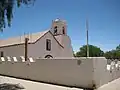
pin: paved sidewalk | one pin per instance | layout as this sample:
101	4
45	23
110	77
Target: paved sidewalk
30	85
114	85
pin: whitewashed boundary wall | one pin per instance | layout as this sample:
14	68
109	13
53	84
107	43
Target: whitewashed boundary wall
78	72
69	72
104	73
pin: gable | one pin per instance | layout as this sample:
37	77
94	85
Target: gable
33	38
56	40
51	35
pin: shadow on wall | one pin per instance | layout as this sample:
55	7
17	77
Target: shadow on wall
8	86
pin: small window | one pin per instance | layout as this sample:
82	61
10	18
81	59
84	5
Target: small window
2	54
48	44
63	30
55	30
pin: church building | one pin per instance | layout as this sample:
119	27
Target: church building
52	43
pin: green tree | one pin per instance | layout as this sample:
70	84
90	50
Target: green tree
6	10
118	52
73	53
118	48
113	54
94	51
108	55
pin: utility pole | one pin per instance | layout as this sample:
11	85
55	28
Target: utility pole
26	49
87	37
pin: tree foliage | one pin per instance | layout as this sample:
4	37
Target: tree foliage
73	53
113	54
94	51
6	10
118	48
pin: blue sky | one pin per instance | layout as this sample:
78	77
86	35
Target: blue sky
103	15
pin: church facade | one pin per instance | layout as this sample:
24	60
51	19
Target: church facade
52	43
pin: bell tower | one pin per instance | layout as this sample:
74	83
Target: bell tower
59	27
59	30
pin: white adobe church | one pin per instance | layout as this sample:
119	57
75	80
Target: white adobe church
51	43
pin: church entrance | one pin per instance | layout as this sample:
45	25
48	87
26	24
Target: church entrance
48	56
